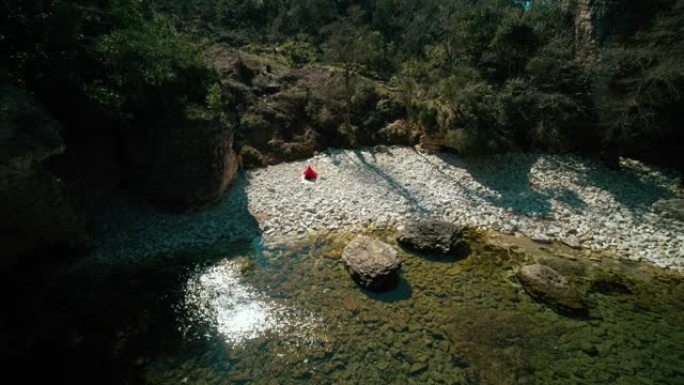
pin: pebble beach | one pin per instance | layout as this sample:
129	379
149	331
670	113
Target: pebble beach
548	198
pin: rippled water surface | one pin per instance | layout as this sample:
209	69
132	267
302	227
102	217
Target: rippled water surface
288	313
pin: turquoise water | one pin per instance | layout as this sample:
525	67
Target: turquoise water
288	313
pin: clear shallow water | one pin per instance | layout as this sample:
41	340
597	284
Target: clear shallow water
290	314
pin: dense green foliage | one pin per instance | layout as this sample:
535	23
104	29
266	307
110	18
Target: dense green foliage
101	64
479	75
640	95
485	75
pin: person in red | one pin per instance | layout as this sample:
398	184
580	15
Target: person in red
310	174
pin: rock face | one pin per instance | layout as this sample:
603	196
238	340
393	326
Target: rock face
34	204
290	113
670	208
431	237
372	264
546	285
186	165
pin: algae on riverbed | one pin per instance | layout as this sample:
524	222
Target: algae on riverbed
459	320
449	321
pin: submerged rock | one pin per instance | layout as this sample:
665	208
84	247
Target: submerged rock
610	284
571	241
372	264
503	347
433	237
546	285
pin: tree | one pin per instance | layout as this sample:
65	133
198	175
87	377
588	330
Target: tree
309	16
150	69
347	45
640	100
407	82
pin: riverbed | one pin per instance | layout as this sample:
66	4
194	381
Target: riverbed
287	312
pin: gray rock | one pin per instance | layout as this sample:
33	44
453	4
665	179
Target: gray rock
372	264
572	241
541	238
433	237
546	285
671	208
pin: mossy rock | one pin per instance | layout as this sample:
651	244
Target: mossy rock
251	157
546	285
610	284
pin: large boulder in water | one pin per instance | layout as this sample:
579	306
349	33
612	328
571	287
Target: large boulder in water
373	264
546	285
430	237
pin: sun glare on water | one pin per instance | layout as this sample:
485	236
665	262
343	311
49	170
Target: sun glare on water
218	297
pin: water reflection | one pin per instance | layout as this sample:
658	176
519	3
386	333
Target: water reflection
218	296
290	313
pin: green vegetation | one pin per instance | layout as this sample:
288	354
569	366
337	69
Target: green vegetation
480	76
148	69
640	94
98	65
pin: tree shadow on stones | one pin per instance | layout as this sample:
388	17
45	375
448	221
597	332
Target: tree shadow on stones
632	188
391	183
509	184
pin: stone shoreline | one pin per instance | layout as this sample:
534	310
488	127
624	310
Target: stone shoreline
545	197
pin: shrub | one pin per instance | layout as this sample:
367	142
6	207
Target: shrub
516	111
640	99
251	157
476	142
469	121
514	43
150	69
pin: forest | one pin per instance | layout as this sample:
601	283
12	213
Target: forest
483	76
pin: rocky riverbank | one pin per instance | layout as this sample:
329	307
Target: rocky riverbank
545	197
564	198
